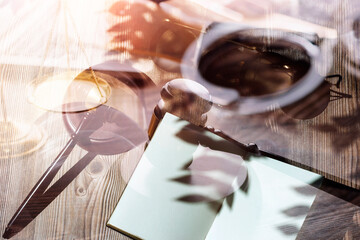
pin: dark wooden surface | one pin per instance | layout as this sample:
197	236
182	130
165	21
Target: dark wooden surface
328	143
334	214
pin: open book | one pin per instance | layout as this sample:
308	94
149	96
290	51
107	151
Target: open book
192	184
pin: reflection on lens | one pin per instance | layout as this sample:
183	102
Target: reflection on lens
254	65
52	93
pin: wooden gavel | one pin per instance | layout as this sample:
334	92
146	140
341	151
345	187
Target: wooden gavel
185	99
190	101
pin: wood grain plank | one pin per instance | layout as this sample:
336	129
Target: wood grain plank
333	215
81	211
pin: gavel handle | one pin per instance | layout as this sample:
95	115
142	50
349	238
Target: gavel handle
154	122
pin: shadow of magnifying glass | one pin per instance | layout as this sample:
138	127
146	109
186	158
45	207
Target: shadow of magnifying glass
109	132
101	131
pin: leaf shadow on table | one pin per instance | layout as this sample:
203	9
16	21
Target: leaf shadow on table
345	128
144	30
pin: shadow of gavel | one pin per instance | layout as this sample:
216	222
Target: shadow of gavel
104	131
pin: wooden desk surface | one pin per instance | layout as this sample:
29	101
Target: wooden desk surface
328	143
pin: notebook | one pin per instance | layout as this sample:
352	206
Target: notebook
192	184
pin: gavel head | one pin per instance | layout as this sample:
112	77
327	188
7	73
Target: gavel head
186	99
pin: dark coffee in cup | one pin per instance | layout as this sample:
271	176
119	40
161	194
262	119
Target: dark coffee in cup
254	64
